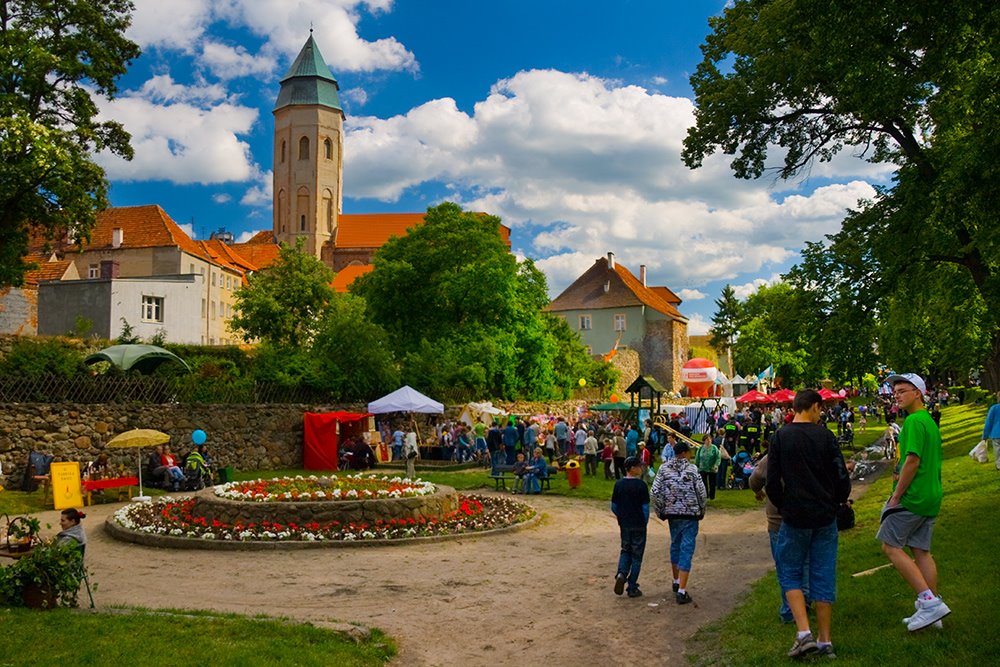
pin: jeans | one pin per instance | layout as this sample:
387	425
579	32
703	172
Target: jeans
397	452
720	479
630	560
497	458
683	535
176	473
579	450
590	464
785	612
814	549
532	483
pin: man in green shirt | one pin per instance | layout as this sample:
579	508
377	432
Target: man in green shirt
909	514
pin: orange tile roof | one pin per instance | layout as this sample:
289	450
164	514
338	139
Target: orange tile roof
142	227
348	274
372	230
624	289
261	250
221	253
263	236
667	294
46	270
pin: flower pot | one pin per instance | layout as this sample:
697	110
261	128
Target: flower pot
38	597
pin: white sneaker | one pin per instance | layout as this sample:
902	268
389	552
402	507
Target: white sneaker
916	605
928	612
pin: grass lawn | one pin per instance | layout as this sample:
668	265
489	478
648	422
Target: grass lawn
138	637
867	627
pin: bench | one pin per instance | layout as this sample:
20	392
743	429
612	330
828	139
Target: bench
500	475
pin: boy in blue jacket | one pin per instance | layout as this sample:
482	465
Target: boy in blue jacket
630	504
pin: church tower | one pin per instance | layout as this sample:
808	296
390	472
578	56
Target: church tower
308	154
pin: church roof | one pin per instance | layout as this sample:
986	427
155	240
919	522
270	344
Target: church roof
372	230
623	290
309	81
348	274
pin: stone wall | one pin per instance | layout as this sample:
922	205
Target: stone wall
627	363
244	436
19	311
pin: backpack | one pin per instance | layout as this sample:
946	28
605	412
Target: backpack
845	516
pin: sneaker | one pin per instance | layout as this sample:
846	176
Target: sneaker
803	646
826	651
635	593
684	598
916	605
928	612
619	583
676	587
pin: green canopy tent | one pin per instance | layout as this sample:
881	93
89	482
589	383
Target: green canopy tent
609	407
143	358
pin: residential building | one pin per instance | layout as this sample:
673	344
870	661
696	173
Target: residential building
613	310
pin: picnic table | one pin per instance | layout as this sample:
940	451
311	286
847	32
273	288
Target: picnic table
90	485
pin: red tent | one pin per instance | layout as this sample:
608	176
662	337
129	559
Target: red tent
828	395
322	435
754	396
783	396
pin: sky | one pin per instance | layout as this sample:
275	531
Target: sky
564	118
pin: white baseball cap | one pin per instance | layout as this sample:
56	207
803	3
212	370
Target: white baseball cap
912	378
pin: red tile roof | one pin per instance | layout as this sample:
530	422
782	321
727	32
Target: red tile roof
261	250
142	227
348	274
372	230
624	289
46	270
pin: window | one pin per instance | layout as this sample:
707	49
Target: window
620	322
213	309
302	223
94	271
328	149
585	324
304	148
213	278
282	162
152	308
229	282
204	313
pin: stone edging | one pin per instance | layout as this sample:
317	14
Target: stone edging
173	542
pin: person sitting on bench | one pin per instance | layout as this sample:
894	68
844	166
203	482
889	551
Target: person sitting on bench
536	470
520	466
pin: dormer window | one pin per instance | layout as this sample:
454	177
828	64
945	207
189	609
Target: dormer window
304	148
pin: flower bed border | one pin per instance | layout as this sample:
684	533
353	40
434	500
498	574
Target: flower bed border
119	532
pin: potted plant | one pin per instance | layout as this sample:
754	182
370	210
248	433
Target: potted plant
48	577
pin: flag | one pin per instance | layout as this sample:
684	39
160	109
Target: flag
766	373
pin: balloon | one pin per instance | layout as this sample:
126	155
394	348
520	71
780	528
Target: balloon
582	382
614	398
199	437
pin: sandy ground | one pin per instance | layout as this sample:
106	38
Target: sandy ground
541	595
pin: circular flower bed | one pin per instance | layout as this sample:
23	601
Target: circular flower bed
173	517
334	487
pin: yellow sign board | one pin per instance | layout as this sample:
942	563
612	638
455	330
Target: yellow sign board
66	490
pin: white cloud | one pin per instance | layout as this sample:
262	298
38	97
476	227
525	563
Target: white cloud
261	194
591	166
187	228
178	24
698	325
246	236
746	289
221	198
356	95
691	294
180	134
229	62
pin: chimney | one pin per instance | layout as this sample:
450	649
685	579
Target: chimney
117	237
611	261
642	274
109	268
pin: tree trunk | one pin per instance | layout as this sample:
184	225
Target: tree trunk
991	379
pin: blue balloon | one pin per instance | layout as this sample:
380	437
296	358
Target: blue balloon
199	437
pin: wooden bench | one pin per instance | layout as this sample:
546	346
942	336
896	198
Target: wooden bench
500	475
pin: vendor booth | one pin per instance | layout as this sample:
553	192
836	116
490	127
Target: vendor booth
324	431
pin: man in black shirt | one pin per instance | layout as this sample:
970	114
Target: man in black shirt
807	481
630	504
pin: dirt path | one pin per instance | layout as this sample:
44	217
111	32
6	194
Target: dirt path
541	595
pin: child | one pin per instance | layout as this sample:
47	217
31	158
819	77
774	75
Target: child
608	456
630	504
519	469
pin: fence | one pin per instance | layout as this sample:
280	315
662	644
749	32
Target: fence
150	390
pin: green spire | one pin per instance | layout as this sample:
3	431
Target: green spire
309	80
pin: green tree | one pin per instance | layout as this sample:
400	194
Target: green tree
463	314
352	353
908	83
778	329
726	323
53	57
282	304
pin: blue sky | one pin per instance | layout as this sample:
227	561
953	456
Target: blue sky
563	118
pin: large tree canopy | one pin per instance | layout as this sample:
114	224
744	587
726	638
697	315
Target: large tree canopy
909	83
465	316
53	57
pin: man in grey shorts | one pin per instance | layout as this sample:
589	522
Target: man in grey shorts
909	514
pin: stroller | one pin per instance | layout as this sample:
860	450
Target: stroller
846	438
196	473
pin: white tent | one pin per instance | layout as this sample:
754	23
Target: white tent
405	399
474	412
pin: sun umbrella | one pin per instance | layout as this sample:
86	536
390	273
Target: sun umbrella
754	396
137	439
783	396
828	395
143	358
